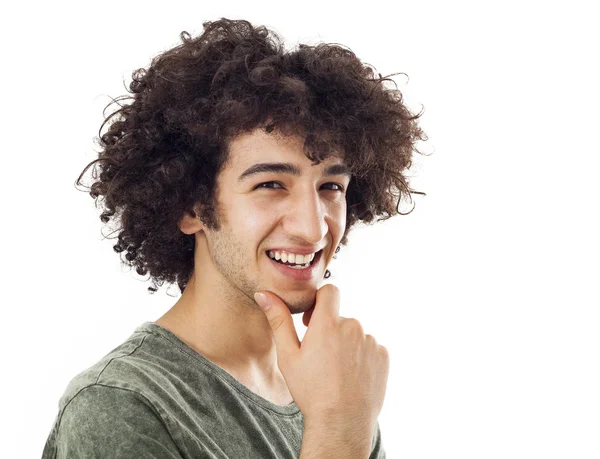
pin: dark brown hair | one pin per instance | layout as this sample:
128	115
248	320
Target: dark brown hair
163	149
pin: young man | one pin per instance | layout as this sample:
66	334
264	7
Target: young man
237	171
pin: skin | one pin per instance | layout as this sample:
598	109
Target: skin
217	314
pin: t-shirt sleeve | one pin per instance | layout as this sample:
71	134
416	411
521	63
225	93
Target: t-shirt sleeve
377	452
109	422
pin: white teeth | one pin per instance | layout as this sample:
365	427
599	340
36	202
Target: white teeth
291	257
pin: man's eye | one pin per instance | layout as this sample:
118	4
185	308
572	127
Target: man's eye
339	187
267	185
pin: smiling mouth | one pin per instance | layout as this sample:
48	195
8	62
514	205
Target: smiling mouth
315	260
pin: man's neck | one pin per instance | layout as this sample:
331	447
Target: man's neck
235	337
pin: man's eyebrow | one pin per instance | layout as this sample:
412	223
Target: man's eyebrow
287	168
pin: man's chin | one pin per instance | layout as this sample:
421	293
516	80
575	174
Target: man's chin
299	304
297	301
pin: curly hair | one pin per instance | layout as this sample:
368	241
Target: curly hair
162	151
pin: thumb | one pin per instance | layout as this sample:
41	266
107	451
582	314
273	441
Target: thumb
281	323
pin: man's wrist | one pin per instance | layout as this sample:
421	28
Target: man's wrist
336	438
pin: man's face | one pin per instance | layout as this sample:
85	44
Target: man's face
306	212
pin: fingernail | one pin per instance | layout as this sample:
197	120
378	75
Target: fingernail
262	301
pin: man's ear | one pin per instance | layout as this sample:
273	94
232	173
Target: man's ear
191	223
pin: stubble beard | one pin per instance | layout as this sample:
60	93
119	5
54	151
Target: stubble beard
225	255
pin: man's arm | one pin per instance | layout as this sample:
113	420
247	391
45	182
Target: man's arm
109	422
324	441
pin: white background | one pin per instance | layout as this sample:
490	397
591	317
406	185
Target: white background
486	295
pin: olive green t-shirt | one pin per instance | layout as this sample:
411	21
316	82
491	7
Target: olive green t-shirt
156	397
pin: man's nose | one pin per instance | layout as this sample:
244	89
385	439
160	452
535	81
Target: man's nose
305	218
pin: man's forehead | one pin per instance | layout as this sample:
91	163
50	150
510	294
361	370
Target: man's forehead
261	151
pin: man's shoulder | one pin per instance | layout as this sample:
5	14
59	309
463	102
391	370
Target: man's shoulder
148	364
114	390
105	367
112	421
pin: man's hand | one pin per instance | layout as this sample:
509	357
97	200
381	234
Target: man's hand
337	374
